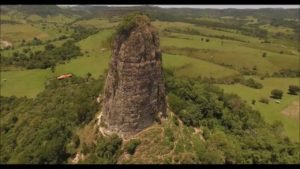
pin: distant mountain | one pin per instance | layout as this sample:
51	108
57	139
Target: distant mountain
42	10
154	12
262	13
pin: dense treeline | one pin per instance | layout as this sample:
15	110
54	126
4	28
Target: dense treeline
81	32
232	24
286	73
43	59
51	55
105	151
42	10
234	132
42	130
155	12
239	79
39	130
3	21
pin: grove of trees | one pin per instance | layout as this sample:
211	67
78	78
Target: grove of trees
238	132
276	94
43	59
40	130
294	89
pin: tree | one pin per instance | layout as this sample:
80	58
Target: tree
212	156
53	68
107	149
252	83
206	133
278	127
264	100
88	76
132	145
25	50
49	47
293	89
276	94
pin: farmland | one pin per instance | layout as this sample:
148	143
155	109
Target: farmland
185	53
273	111
201	50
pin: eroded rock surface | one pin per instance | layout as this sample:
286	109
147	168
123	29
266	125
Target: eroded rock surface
134	91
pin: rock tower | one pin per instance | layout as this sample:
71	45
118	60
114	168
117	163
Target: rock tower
134	92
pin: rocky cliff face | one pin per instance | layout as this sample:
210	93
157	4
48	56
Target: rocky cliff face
134	91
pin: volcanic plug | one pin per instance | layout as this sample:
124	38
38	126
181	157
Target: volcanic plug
134	93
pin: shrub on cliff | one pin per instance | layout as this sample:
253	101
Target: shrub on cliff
132	145
132	20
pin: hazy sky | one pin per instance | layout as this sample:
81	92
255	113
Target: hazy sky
229	6
211	6
222	6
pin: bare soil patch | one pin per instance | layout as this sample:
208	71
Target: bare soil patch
292	110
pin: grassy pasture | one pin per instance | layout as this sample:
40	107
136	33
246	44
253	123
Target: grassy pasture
272	111
252	20
240	57
53	30
96	22
93	44
279	29
34	18
205	30
60	19
186	66
254	42
9	52
13	15
96	63
17	32
34	26
31	82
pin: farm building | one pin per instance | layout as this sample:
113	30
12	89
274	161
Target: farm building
64	76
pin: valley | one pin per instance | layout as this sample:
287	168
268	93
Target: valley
222	51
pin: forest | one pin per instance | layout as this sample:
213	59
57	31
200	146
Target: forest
41	130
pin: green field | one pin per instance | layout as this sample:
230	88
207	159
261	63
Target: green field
18	32
34	79
185	53
186	66
200	49
279	29
95	62
272	111
243	55
95	22
9	52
